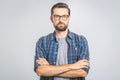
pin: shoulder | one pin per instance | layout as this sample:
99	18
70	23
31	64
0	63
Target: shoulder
78	36
45	38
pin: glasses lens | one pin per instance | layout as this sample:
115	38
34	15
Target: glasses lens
56	17
64	17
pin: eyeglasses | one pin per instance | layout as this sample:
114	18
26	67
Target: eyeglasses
57	17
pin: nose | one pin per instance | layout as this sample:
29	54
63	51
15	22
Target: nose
60	19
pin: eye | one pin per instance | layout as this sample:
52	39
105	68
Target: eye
56	16
65	16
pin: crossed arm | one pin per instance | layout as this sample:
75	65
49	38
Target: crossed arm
67	70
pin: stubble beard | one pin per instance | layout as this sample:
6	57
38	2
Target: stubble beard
61	28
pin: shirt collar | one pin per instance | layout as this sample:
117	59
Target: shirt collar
70	35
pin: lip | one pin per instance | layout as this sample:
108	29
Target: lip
61	24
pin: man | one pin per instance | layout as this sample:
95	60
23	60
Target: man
61	55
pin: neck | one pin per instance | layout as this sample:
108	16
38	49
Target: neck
61	34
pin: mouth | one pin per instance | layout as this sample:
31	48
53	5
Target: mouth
61	24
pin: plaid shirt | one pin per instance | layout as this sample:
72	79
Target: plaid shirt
47	47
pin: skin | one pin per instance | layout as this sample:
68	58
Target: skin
60	11
67	70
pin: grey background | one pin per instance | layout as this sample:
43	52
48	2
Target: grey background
23	22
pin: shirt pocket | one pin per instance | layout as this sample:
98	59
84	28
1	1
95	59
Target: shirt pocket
72	55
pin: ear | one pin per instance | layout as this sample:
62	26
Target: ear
51	19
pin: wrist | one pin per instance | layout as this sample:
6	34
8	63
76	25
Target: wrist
71	66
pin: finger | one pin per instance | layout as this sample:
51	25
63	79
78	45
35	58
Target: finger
85	60
85	67
38	61
86	64
44	60
41	58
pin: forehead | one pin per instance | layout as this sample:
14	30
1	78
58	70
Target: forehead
60	11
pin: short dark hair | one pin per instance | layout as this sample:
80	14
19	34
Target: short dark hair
60	5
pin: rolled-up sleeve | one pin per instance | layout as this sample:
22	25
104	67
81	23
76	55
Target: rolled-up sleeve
39	53
84	51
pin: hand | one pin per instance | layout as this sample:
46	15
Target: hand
42	61
80	64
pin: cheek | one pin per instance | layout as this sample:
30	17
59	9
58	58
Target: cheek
66	22
55	22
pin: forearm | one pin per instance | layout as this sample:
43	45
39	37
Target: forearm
73	73
50	70
67	70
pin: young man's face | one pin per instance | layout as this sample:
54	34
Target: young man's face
60	19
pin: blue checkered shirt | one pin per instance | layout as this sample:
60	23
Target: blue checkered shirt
47	47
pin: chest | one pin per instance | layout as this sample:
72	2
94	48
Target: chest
52	52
